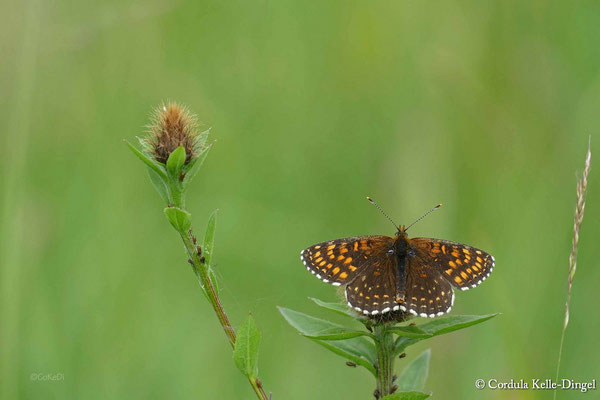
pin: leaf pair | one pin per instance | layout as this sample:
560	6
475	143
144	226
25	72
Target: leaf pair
360	346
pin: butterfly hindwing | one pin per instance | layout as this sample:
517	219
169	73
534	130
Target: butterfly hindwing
427	293
463	266
340	261
372	292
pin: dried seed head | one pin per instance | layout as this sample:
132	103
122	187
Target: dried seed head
172	125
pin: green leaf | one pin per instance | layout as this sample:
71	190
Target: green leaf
159	185
336	307
155	166
180	219
409	331
359	350
402	342
415	374
440	326
338	334
352	345
245	352
202	138
190	170
209	239
318	328
175	162
406	396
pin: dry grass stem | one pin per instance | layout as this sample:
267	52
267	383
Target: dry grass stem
577	221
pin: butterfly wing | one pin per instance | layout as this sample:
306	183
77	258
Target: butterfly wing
427	293
373	291
340	261
463	266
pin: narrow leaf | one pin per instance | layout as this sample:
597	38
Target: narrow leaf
440	326
245	353
202	138
180	219
175	162
338	334
190	170
406	396
415	374
402	342
156	167
209	239
358	348
318	328
159	185
409	331
339	308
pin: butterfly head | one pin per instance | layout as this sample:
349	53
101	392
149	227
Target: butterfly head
401	232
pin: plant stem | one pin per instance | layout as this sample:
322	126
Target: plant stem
201	271
577	221
385	359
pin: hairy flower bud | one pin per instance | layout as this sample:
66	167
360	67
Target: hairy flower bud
172	125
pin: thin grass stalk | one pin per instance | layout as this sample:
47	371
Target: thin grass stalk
577	221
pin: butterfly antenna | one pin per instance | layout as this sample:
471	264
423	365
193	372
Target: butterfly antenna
426	214
379	208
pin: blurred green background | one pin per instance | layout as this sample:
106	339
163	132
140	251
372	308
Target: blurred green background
485	106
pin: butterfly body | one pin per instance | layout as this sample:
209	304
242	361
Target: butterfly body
384	274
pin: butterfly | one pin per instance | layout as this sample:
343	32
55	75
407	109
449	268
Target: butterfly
383	274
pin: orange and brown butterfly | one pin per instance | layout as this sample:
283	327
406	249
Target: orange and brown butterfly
383	274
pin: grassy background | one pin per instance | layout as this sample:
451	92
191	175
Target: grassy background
484	106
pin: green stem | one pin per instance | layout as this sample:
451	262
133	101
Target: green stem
177	194
201	271
562	339
385	360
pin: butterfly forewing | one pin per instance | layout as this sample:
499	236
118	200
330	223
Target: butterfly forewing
341	261
463	266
